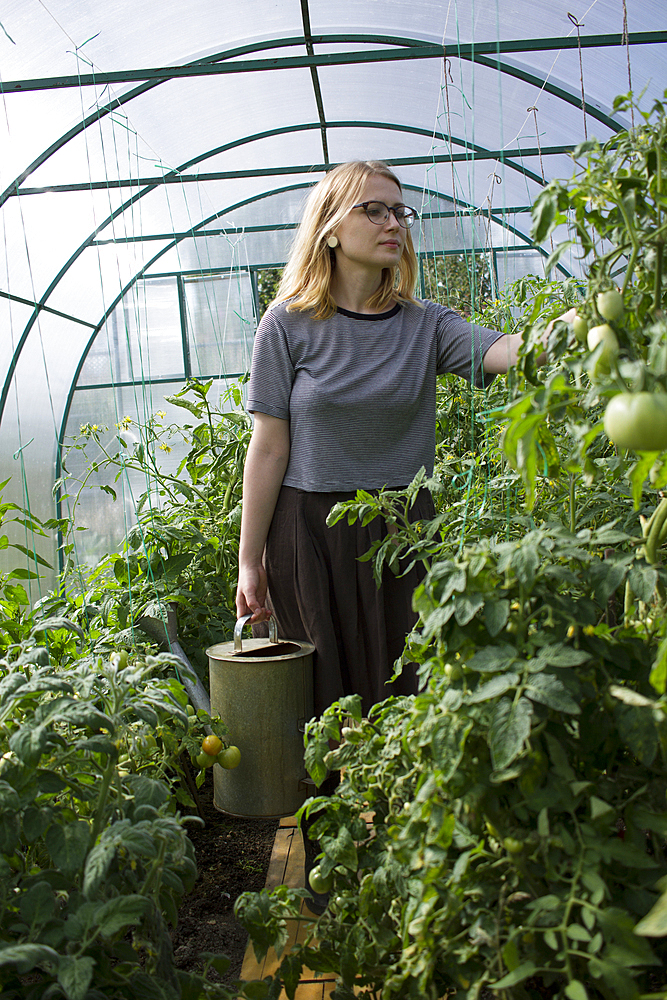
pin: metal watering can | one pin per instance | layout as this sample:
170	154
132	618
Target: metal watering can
263	690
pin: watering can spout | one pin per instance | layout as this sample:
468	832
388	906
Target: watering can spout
163	629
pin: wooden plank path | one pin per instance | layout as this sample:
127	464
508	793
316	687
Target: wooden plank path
286	868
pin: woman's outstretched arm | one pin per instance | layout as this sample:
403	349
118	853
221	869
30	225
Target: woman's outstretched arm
502	355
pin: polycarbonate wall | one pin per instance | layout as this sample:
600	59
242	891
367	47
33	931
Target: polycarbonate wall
136	208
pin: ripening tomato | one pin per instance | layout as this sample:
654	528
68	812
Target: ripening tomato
637	420
603	334
211	744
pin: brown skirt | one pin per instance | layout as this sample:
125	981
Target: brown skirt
322	594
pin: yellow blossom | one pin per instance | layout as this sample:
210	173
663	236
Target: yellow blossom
161	414
571	631
589	629
164	447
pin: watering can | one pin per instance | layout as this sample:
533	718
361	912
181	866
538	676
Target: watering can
263	690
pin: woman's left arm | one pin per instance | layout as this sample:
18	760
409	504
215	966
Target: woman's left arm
503	353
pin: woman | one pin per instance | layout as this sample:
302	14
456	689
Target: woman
342	388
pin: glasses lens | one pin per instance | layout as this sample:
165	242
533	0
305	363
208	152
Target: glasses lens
406	216
377	212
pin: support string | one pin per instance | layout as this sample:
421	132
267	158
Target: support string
579	25
626	40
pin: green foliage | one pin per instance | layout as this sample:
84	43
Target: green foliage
183	549
15	617
461	281
518	803
94	857
268	280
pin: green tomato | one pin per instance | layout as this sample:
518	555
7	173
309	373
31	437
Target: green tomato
190	710
637	420
512	845
318	882
205	759
580	329
604	335
119	659
229	758
453	671
610	304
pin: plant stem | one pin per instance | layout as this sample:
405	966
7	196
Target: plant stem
657	522
100	817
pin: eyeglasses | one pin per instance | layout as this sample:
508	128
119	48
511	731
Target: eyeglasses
378	213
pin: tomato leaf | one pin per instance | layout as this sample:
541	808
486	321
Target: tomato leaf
518	975
74	975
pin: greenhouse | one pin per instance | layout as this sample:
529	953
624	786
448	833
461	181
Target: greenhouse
501	829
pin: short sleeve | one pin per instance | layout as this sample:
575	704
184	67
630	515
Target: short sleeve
461	347
271	371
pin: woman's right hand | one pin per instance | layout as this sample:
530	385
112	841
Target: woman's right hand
251	594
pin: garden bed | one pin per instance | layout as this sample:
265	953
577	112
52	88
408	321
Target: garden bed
232	857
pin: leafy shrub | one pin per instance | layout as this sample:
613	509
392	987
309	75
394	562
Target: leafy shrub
518	803
94	857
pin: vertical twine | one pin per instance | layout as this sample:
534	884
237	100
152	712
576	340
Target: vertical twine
626	40
534	109
447	64
579	25
495	179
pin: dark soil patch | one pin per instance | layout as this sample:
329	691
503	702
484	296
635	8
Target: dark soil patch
232	857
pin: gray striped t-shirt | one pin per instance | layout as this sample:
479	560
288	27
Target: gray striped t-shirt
359	390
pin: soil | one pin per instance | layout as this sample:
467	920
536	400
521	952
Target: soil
232	857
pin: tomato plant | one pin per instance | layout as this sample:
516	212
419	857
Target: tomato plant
183	549
94	855
497	794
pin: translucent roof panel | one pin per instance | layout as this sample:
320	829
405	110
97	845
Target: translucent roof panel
129	129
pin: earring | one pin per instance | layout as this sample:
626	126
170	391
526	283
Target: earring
332	242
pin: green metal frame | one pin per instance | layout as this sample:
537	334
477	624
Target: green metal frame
505	156
410	49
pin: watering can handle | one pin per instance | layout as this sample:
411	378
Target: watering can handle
238	628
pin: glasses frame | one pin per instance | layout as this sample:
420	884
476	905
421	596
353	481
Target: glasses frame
402	223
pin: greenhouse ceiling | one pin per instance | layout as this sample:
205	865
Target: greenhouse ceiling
155	156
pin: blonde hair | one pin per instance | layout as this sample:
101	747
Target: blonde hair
307	276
